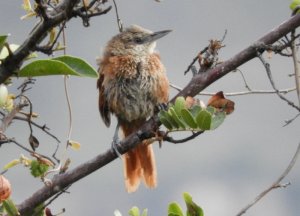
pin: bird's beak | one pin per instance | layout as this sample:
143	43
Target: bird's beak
155	36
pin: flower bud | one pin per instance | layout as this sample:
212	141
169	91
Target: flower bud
5	188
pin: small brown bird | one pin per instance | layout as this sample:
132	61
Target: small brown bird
132	83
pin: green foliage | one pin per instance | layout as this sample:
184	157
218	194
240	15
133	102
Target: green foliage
193	209
294	4
181	117
174	209
9	207
64	65
2	41
188	118
12	164
38	169
203	119
134	211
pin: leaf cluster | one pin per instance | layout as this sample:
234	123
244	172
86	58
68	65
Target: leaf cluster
182	116
174	209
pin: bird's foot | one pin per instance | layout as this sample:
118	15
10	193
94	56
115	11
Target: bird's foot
116	141
161	106
114	146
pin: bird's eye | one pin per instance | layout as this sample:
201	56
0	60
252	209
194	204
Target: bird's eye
137	40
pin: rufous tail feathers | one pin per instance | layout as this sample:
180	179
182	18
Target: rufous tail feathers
139	163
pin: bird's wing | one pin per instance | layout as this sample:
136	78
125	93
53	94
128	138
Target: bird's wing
103	104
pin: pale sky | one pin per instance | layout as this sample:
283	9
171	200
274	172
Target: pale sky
223	169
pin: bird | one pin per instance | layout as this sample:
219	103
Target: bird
132	83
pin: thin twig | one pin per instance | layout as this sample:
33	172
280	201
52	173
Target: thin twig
85	15
12	140
287	122
6	121
52	199
49	49
119	21
296	65
283	91
30	114
44	128
194	60
202	52
269	73
244	79
172	140
275	185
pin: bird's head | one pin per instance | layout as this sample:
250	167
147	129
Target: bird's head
135	40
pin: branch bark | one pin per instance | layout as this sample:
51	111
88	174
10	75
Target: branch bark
61	13
197	84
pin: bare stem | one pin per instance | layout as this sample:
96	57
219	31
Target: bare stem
275	185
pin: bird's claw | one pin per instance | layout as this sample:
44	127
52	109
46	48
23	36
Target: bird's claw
161	106
114	146
116	141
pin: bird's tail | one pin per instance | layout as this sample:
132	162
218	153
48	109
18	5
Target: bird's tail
139	163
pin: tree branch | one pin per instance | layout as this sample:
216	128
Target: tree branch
59	14
197	84
201	81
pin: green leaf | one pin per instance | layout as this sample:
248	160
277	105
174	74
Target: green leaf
211	110
165	122
145	212
195	110
174	210
203	120
217	120
12	164
65	65
169	118
1	210
134	211
2	41
38	169
294	4
79	65
10	207
192	208
179	105
174	115
188	118
46	68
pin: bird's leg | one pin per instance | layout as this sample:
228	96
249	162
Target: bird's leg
116	141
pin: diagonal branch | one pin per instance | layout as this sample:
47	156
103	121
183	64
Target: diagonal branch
197	84
63	12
